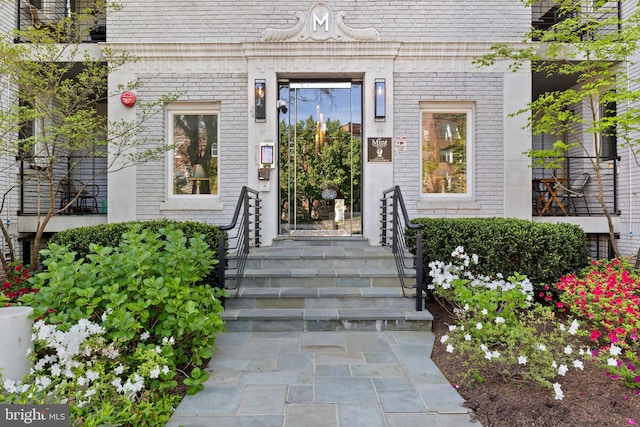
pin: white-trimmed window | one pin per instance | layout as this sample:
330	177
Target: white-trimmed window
446	148
194	131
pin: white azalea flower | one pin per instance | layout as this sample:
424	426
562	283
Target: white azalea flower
522	360
568	350
615	350
449	348
444	338
578	364
155	372
562	370
558	390
574	327
499	319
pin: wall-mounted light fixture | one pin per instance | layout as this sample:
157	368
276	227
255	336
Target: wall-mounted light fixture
261	100
381	99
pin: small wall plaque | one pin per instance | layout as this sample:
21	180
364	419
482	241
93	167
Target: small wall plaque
379	149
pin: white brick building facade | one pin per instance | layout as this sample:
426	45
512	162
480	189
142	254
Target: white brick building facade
212	54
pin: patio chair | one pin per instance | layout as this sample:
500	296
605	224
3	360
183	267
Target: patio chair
538	199
87	201
40	18
576	191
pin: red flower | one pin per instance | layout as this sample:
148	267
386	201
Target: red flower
595	335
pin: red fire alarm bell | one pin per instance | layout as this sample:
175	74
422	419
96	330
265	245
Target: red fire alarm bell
128	98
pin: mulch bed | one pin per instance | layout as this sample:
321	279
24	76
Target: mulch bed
590	398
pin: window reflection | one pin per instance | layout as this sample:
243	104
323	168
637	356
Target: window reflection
195	164
444	152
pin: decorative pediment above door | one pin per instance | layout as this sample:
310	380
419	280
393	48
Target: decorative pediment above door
320	24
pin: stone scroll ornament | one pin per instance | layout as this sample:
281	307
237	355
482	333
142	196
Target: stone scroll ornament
320	24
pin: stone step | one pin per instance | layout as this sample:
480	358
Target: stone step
308	241
320	262
322	278
357	319
322	284
321	298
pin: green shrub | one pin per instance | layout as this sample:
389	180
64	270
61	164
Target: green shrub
543	252
79	239
148	285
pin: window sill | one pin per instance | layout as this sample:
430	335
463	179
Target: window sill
448	204
192	203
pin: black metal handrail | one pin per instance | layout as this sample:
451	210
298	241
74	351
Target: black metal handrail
237	239
407	249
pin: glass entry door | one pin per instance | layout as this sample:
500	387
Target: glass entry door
320	140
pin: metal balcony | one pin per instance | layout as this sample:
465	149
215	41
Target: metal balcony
47	14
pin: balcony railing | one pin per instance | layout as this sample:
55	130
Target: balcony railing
69	179
582	203
47	14
546	15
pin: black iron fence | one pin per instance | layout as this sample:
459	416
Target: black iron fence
407	251
79	182
545	15
47	14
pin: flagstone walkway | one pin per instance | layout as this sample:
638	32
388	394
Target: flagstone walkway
316	379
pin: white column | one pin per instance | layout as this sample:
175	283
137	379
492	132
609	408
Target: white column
517	140
376	177
122	183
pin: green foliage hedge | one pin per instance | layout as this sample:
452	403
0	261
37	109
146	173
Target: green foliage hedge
110	235
541	251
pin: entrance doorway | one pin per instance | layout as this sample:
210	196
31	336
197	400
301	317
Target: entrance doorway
320	158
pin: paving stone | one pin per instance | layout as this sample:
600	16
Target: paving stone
392	384
214	400
345	390
366	343
401	402
380	357
442	398
332	371
429	420
338	358
228	421
360	415
377	370
263	400
300	394
310	415
295	362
